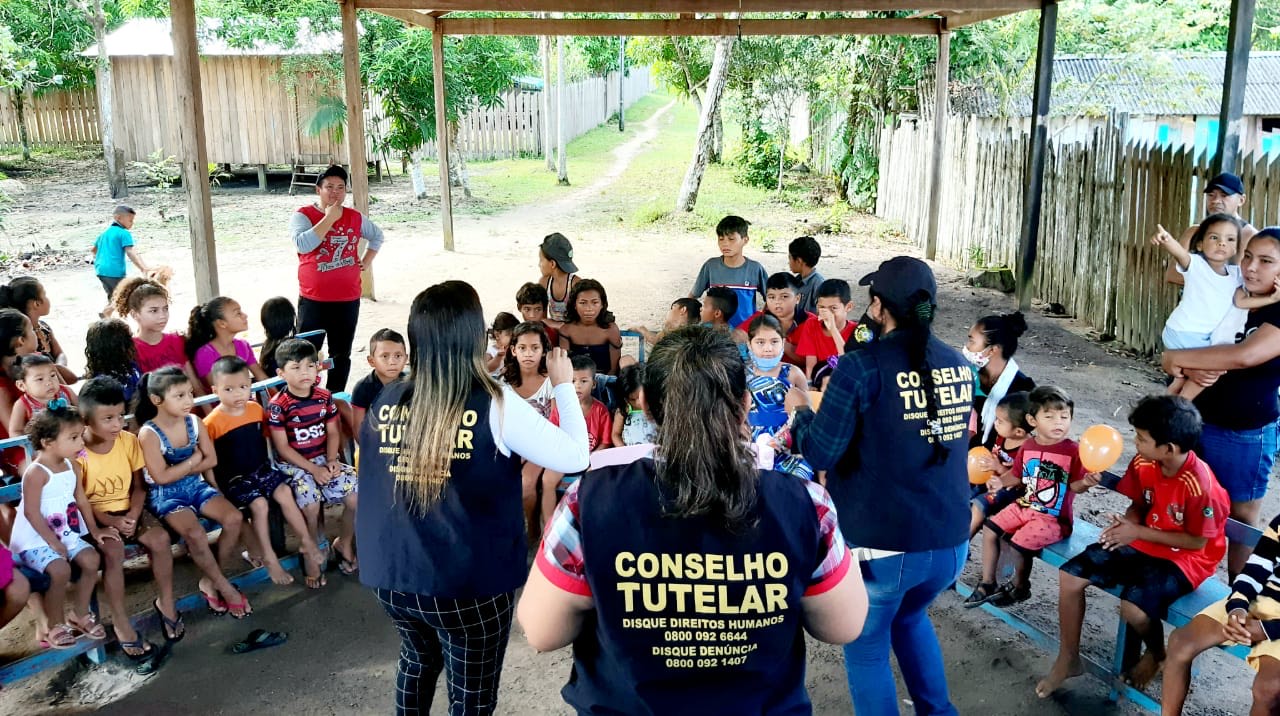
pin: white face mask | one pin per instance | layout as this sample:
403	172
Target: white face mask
979	359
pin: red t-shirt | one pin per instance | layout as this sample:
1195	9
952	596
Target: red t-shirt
599	424
171	350
332	271
1047	472
812	340
1191	501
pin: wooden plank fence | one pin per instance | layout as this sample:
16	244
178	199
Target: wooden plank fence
1103	200
54	118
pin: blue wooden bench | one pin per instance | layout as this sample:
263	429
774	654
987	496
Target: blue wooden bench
95	651
1180	613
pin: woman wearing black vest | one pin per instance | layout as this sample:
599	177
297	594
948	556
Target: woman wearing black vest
685	580
892	435
441	526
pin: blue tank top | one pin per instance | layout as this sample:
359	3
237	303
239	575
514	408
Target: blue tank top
690	618
471	542
768	401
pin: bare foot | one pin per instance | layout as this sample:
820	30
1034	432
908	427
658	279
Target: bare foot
1144	671
278	575
315	557
1061	671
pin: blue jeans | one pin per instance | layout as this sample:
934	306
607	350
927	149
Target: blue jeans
900	589
1241	459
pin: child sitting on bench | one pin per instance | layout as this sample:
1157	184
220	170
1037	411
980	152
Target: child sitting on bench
1166	544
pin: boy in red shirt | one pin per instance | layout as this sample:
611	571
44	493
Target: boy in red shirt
1166	544
817	341
599	429
782	301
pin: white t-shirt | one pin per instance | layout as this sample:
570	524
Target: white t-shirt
1207	297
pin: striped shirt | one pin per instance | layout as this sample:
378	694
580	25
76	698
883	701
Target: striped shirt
304	420
1260	578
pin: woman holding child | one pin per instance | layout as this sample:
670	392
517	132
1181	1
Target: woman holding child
327	237
441	527
892	436
1239	404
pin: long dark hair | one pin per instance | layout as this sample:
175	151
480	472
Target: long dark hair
446	355
511	366
200	328
605	317
695	389
915	326
1003	331
13	325
19	292
154	385
109	349
279	319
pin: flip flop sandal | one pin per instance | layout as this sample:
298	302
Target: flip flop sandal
217	606
347	566
316	582
175	625
143	659
259	639
242	605
60	636
87	626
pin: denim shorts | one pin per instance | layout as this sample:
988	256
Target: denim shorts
1178	340
1241	459
38	558
189	493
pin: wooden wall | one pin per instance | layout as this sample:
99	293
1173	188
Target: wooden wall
54	118
1102	202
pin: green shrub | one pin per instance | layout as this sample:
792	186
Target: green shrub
756	163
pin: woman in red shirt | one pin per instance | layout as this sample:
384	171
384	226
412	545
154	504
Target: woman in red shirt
327	236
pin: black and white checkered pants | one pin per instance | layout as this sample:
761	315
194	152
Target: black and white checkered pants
465	638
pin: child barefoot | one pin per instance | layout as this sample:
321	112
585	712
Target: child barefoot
244	471
307	437
36	376
591	330
211	334
768	381
147	303
1005	485
111	469
1213	297
177	450
630	424
51	516
1049	467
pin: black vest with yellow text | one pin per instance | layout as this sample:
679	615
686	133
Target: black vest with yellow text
471	542
690	618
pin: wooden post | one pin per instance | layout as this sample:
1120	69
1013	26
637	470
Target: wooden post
442	134
622	76
562	171
941	110
191	148
262	178
356	157
1035	156
1230	121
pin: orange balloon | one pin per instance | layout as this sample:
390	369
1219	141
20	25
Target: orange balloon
1100	447
977	475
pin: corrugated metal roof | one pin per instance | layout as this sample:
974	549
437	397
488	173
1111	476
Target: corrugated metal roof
152	36
1164	84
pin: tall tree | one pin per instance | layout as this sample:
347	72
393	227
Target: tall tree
688	195
97	18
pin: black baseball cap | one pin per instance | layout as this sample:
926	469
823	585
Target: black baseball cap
903	281
333	171
1227	183
557	248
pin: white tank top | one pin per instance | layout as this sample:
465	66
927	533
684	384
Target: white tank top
558	310
57	505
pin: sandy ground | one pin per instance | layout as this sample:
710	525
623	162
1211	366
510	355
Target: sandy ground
342	652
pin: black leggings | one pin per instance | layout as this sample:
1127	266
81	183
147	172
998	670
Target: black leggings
338	321
464	638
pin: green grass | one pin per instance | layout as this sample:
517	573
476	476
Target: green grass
513	182
651	183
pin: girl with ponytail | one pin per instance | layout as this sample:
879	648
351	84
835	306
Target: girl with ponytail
892	434
211	334
26	295
992	342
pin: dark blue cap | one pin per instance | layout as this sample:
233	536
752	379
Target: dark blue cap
903	281
1227	183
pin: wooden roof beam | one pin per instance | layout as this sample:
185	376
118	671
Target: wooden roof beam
698	6
412	17
957	20
686	28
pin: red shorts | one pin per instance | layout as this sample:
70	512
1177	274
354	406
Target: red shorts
1027	529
